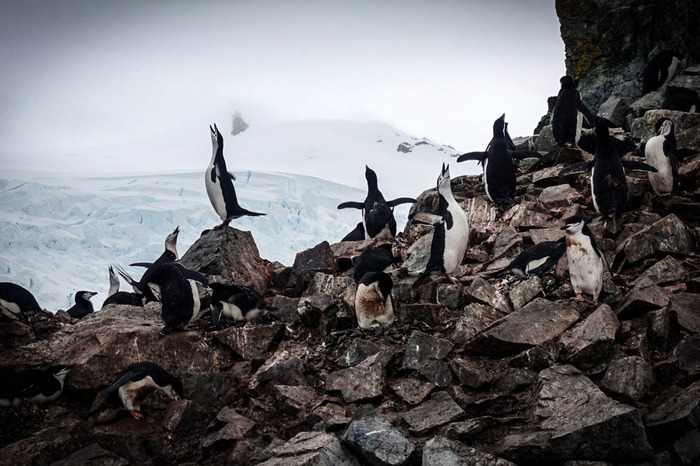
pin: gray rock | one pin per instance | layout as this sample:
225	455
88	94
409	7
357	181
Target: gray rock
468	373
590	342
659	329
483	292
645	127
514	379
527	215
437	372
667	270
422	348
439	451
508	242
539	321
667	235
279	364
357	352
676	415
547	177
651	101
641	300
292	399
410	390
235	427
475	318
361	382
377	442
341	287
452	296
688	354
419	253
688	447
311	449
685	307
615	109
437	411
561	195
251	341
630	378
93	454
525	291
320	258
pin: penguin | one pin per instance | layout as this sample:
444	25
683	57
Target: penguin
586	260
18	299
374	305
568	114
236	302
83	305
379	259
135	383
682	100
377	214
36	385
660	71
452	229
179	297
537	259
219	184
660	152
608	182
120	297
499	167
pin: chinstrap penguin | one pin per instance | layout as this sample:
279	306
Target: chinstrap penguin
120	297
586	260
18	299
452	229
219	184
236	302
35	385
537	259
660	71
83	305
377	213
379	259
608	181
499	166
569	113
179	297
373	302
135	383
660	152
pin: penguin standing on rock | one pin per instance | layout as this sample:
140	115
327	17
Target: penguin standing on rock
83	305
35	385
452	229
219	183
586	260
377	213
499	167
135	383
236	302
18	299
660	152
569	113
608	181
179	296
373	302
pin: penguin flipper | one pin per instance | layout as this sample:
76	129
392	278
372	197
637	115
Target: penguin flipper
426	218
141	264
358	234
525	154
478	156
213	175
635	165
580	167
670	152
233	178
401	200
351	205
126	377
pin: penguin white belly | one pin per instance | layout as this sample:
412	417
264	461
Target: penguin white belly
593	193
585	266
12	307
195	297
579	126
131	393
662	182
486	180
456	238
369	308
215	193
532	265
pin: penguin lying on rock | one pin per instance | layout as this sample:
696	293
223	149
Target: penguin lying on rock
35	385
17	299
120	297
537	259
236	302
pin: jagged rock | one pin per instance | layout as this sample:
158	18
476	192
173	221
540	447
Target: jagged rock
590	342
539	321
439	410
547	177
514	379
43	447
561	195
615	109
641	300
377	442
451	296
250	342
468	373
667	270
684	308
286	309
233	255
320	258
439	451
422	348
668	235
688	447
688	354
647	103
357	352
279	364
342	288
293	399
410	390
361	382
527	215
181	417
93	454
311	449
659	329
645	127
539	235
539	357
475	318
235	427
483	292
508	242
677	415
525	291
630	378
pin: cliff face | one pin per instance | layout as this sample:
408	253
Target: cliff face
609	42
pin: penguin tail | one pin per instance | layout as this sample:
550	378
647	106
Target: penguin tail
245	212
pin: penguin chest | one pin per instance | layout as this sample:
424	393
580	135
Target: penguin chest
585	266
215	191
196	305
662	182
370	308
456	238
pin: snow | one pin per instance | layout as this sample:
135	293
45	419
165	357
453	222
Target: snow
60	231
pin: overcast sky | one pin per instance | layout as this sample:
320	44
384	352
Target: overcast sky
82	76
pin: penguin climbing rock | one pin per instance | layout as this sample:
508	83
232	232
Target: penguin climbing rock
569	113
120	297
18	299
219	184
35	385
135	383
377	213
660	71
660	153
586	260
236	302
83	305
608	181
379	259
452	229
373	302
537	259
179	297
499	167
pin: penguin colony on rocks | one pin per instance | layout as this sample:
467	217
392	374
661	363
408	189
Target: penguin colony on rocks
180	291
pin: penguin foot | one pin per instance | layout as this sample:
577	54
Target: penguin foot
136	415
579	297
452	279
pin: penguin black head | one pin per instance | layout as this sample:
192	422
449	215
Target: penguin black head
567	82
499	127
371	177
84	295
574	224
664	127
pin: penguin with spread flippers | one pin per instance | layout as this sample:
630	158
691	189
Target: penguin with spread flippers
83	305
660	153
569	113
373	302
35	385
135	383
377	213
499	166
586	261
452	229
17	299
219	184
120	297
537	259
179	297
236	302
660	71
608	181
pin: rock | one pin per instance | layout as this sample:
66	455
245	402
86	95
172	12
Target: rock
311	449
525	291
361	382
668	235
514	379
688	354
250	342
677	415
482	291
286	309
439	451
645	127
341	288
630	378
422	348
281	363
41	448
357	352
452	296
181	417
235	428
527	215
561	195
538	358
641	300
292	399
615	109
320	258
684	309
547	177
437	411
468	373
688	447
659	329
667	270
508	242
473	320
411	390
233	255
539	321
377	442
93	454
